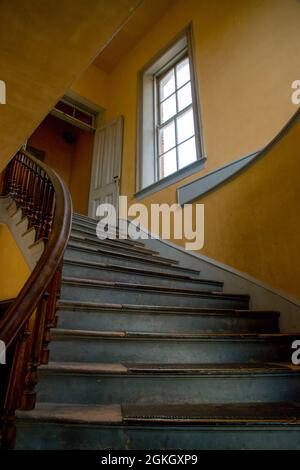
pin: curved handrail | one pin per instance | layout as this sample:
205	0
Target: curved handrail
27	300
208	183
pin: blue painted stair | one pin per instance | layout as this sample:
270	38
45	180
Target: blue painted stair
147	354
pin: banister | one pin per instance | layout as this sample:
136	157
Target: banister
27	300
25	325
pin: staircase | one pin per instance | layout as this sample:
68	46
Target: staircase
148	355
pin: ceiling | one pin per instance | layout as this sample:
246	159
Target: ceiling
145	16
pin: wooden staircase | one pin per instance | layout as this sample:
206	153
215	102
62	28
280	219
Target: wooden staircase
149	355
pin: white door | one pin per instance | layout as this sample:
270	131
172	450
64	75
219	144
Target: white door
106	167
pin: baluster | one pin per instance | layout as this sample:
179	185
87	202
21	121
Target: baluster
38	200
19	178
29	199
35	346
48	210
51	321
13	181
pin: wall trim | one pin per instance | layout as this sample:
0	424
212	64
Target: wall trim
222	266
203	185
211	181
262	295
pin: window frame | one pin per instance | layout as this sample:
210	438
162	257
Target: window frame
147	110
158	124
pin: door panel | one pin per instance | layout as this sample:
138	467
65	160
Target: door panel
106	168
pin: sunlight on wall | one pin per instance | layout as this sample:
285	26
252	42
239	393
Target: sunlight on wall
246	57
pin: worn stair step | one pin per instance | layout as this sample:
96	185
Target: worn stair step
105	346
87	220
105	291
112	244
110	234
110	317
107	272
96	255
79	228
110	231
100	383
117	244
210	414
53	426
85	414
117	250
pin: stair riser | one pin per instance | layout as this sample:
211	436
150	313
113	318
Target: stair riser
115	321
166	351
75	254
43	436
119	276
153	389
131	296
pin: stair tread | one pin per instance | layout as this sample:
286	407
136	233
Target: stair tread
89	241
176	336
134	256
207	414
199	369
65	304
115	267
62	412
110	241
80	227
148	287
277	412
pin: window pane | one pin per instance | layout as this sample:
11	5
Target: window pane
167	85
187	153
185	126
184	96
168	109
167	164
183	72
167	138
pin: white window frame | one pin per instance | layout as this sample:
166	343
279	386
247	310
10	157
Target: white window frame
147	142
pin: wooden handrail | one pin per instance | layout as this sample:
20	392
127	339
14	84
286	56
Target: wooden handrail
25	327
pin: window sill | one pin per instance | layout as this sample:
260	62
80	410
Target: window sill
171	179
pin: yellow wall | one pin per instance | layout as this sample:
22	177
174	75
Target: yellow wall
252	222
44	46
246	54
246	57
14	271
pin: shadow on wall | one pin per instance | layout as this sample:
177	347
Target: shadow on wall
67	150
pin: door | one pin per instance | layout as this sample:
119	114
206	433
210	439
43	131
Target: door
106	166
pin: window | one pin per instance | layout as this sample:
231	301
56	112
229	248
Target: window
169	140
175	126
